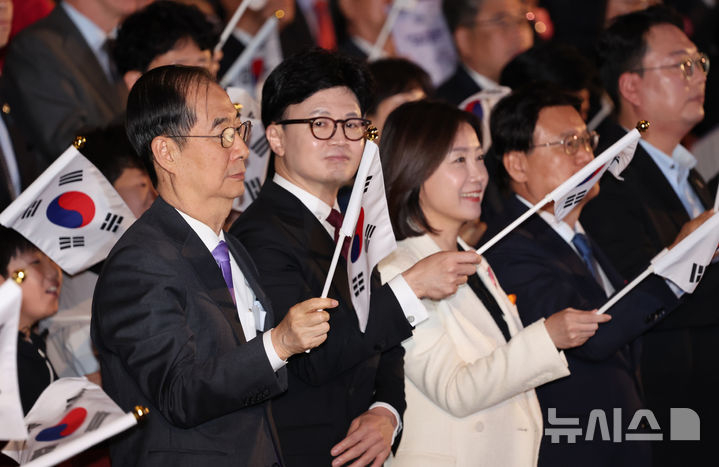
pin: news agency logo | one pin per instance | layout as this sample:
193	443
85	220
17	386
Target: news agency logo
684	425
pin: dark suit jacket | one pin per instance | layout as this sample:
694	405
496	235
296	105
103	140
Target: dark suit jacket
458	87
545	273
633	221
336	382
57	86
169	338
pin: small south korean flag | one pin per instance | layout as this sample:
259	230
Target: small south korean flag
71	212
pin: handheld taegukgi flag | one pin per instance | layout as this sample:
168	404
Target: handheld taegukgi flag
256	164
13	425
70	416
481	105
684	264
367	222
71	212
570	193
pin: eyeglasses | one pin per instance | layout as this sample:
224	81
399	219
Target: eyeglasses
324	128
227	136
573	143
686	66
504	21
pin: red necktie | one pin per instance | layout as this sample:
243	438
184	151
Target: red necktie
335	220
325	29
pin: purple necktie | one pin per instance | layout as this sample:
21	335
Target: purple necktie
335	220
222	257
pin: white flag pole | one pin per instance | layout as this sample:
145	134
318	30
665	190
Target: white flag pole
231	24
514	224
397	6
618	296
716	202
244	59
67	450
333	265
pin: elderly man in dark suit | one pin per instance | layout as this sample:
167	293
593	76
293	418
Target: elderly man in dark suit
346	398
654	71
60	74
552	264
179	318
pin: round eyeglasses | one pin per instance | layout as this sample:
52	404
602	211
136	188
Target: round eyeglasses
227	136
324	128
686	66
572	143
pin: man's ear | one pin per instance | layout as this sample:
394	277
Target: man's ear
165	152
130	78
629	84
276	137
515	163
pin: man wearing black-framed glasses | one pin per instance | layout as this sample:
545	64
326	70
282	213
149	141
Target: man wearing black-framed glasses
653	71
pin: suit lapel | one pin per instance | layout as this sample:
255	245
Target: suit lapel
700	188
196	253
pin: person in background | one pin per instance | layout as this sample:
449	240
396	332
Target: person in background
397	81
163	33
471	368
40	280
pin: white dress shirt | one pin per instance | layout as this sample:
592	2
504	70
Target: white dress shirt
482	81
249	310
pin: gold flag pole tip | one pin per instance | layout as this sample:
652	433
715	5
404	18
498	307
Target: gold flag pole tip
140	412
79	142
279	14
372	133
643	126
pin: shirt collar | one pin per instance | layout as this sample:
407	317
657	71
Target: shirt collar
316	206
91	32
204	231
678	164
481	80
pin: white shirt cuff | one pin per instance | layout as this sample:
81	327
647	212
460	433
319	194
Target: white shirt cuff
412	306
678	292
394	412
275	359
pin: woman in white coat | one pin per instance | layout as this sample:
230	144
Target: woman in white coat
470	369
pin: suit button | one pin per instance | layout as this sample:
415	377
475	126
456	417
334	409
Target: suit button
479	426
410	318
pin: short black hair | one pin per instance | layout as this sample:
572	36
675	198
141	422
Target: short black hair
300	76
397	75
11	245
460	12
412	147
110	151
157	29
553	62
159	104
622	46
514	118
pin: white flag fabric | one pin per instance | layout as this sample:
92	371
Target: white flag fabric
367	223
71	415
13	425
71	213
685	264
614	159
259	159
481	105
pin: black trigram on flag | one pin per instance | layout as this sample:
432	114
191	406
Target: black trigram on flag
96	421
31	210
358	284
697	272
42	451
252	187
112	222
366	183
368	232
574	199
260	147
71	177
71	242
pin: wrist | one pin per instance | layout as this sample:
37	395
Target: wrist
277	337
412	283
